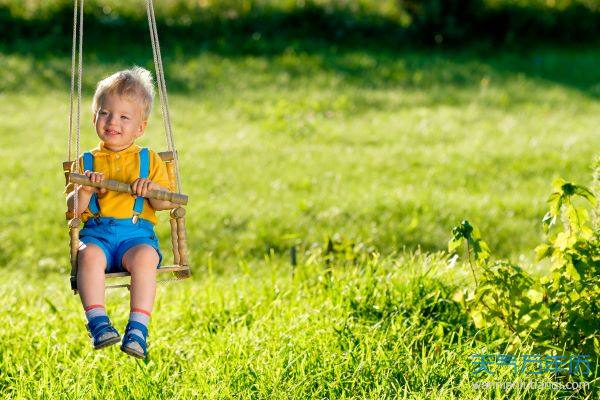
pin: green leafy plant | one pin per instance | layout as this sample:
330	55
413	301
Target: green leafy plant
573	288
559	311
500	297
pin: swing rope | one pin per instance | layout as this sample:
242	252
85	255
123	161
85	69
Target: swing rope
162	88
73	54
76	53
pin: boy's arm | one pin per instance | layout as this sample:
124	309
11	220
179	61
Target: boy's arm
140	187
159	179
82	203
159	205
85	193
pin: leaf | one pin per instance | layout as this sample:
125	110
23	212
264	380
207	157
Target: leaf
558	183
542	251
459	296
562	241
551	345
535	295
482	293
587	232
454	244
572	272
577	217
555	207
574	296
568	189
478	319
548	221
483	250
554	198
586	193
51	305
463	230
555	280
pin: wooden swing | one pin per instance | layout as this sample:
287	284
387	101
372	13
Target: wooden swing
180	268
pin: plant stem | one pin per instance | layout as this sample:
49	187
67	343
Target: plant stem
471	264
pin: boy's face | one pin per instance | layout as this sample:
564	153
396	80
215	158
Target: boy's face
119	121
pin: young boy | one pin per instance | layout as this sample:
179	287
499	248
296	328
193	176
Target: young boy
118	233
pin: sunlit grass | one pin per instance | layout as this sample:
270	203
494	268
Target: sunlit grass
376	329
381	148
389	150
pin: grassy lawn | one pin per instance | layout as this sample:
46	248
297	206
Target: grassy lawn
386	148
374	330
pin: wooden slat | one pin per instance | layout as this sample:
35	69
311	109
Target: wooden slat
128	285
166	155
171	268
67	170
172	178
180	272
123	187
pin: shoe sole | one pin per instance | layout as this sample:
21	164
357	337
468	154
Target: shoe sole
108	342
132	352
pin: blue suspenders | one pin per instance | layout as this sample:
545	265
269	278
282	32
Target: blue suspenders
88	165
138	205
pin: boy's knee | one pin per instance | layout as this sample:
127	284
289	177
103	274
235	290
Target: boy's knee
91	255
141	256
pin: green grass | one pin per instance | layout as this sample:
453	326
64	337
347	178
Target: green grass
381	147
387	149
380	329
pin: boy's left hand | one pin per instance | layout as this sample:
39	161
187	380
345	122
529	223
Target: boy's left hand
140	187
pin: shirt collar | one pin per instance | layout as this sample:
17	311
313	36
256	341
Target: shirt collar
103	151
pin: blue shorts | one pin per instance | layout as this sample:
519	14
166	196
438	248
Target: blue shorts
115	236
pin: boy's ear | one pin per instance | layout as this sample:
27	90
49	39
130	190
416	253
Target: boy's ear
142	128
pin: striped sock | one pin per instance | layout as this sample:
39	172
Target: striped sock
95	310
141	316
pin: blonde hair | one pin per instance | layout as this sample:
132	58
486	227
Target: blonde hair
132	83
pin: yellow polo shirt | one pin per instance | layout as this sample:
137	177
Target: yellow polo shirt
123	166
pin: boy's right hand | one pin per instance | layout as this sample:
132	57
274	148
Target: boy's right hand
94	177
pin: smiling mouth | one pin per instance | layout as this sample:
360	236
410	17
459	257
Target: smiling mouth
110	132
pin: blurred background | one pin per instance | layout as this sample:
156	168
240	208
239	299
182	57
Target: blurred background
382	123
395	21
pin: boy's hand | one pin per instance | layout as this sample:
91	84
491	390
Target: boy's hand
94	177
140	186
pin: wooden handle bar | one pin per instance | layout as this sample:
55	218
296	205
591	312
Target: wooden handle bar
122	187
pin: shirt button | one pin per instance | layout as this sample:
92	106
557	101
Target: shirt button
118	169
118	156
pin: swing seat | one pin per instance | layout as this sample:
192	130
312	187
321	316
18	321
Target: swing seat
180	268
178	272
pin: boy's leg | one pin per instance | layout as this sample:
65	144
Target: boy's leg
90	283
141	262
90	275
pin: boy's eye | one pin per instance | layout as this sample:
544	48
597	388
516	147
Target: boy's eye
102	112
124	117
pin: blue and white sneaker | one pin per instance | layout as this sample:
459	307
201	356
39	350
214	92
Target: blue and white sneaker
134	344
102	332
